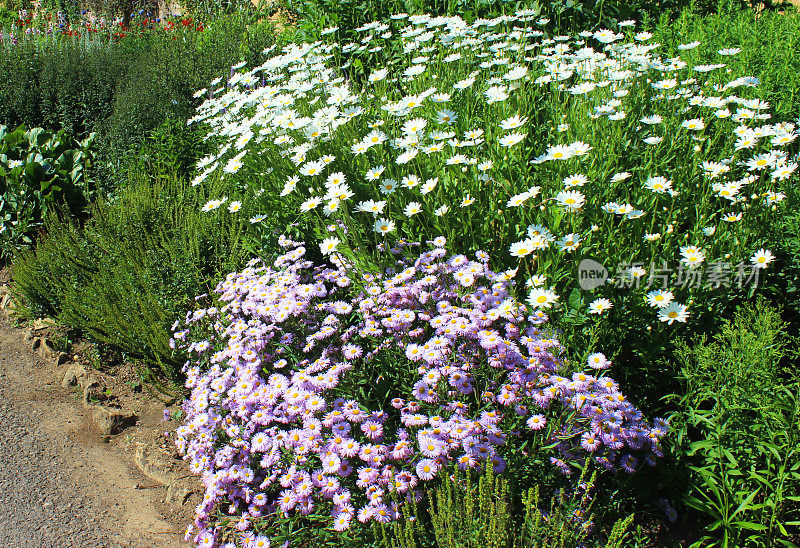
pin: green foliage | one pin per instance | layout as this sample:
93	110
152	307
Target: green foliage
173	148
207	9
122	88
471	515
474	510
57	84
769	42
133	269
39	169
738	431
784	286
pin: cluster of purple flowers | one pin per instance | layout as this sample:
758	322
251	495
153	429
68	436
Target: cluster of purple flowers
270	427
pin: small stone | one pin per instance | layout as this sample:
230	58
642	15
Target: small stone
155	463
180	491
93	392
43	323
75	375
45	349
110	421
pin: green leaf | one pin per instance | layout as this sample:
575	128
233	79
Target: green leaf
749	525
745	505
34	173
728	455
574	301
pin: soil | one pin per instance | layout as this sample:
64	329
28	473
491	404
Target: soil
62	483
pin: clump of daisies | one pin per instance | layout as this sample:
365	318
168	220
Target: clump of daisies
279	421
469	135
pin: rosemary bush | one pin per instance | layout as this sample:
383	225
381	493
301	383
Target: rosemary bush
133	269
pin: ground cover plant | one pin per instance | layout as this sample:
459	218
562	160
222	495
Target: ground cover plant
300	407
737	428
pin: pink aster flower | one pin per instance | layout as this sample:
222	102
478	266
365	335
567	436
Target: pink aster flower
401	450
430	447
466	461
427	469
349	448
287	500
382	513
341	521
341	429
590	442
351	351
365	514
331	463
628	463
372	429
536	422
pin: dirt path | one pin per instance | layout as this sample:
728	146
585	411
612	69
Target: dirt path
60	486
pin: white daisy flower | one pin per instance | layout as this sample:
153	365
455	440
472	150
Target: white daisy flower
673	312
762	258
598	306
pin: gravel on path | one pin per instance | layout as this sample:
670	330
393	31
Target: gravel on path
40	505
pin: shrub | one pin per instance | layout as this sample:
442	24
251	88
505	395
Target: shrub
315	396
172	149
39	169
738	430
133	269
469	514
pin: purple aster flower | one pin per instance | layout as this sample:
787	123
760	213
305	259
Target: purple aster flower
427	469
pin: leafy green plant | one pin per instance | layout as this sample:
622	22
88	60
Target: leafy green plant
133	269
62	342
472	510
738	431
39	169
172	148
